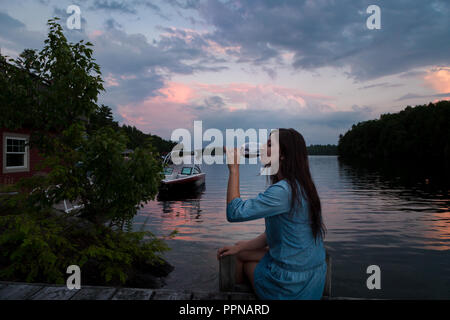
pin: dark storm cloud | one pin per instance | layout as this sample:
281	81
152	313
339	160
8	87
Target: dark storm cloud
127	7
413	74
74	34
332	33
382	85
215	102
8	23
112	24
134	89
139	67
131	7
318	33
185	4
415	96
114	5
123	53
317	128
15	35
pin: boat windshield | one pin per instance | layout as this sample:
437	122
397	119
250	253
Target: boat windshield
186	170
168	170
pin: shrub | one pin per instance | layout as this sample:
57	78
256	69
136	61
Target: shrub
38	247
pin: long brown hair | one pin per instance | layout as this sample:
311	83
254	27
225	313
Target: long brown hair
294	167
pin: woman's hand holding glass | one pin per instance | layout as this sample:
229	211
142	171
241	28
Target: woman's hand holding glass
232	157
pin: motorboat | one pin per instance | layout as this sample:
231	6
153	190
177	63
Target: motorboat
181	177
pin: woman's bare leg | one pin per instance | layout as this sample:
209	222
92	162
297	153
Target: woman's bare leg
246	256
249	270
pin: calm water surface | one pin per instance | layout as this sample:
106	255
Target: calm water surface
405	230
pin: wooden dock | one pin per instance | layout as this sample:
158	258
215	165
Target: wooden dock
31	291
228	289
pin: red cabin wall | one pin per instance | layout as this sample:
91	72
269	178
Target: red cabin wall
35	159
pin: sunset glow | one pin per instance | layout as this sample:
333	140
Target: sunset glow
231	63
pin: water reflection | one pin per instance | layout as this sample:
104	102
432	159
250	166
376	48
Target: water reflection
401	225
410	209
182	195
186	204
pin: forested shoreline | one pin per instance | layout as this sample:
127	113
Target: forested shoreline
322	150
103	117
416	137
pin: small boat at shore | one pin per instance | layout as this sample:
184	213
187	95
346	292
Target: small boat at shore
181	177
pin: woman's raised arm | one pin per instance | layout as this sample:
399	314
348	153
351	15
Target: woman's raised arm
233	179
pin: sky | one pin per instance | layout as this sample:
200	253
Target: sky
311	65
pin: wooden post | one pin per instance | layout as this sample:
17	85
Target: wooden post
227	273
227	276
327	288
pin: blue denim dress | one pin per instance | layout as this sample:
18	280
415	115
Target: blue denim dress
294	267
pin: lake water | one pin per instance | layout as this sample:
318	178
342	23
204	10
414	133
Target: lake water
371	220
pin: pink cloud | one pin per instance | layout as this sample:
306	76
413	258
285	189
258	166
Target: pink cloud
188	35
161	113
111	81
269	97
128	77
439	79
440	99
174	106
95	34
217	49
178	93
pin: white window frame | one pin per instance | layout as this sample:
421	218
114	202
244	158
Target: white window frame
26	162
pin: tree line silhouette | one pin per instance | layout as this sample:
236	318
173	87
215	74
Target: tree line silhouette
322	150
415	138
136	138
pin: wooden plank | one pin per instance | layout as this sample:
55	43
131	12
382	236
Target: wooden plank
94	293
54	293
242	288
227	273
242	296
210	296
349	298
132	294
18	291
171	295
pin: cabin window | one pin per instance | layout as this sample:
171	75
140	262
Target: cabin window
196	170
15	154
186	170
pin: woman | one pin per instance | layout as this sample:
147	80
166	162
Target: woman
287	261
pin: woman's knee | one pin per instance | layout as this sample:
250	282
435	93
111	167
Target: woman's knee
251	255
241	256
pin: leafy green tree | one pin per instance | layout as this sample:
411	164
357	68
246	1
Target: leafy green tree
87	165
50	90
102	117
138	138
54	92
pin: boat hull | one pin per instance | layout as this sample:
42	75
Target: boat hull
184	184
